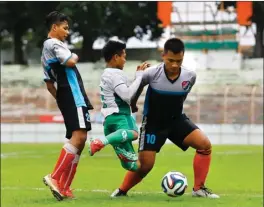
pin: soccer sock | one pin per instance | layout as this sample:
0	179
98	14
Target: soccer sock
201	164
119	136
66	157
68	175
130	180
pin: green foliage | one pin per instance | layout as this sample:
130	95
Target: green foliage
18	17
108	19
89	19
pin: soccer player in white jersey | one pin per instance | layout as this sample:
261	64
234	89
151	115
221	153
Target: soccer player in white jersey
59	66
168	86
119	127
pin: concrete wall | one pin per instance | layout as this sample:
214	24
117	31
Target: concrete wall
40	133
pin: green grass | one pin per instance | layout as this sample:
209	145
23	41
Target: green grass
236	175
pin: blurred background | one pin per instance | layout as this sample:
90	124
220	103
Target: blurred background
224	45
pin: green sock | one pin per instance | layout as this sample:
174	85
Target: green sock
119	136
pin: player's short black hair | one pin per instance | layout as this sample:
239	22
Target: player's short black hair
112	48
55	17
174	45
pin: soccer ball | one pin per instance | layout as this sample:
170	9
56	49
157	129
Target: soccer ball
174	184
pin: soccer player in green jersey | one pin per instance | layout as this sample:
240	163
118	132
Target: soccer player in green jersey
119	127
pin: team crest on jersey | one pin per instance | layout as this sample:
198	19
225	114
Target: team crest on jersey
186	85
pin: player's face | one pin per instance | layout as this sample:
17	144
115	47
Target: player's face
61	30
121	60
173	61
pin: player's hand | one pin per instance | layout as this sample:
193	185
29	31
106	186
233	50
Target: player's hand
143	66
134	109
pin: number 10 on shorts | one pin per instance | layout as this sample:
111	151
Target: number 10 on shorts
151	138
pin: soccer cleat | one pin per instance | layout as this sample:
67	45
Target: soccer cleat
94	145
125	155
204	192
54	187
67	193
118	193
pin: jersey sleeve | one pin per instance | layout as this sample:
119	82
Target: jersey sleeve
147	75
62	53
193	80
47	78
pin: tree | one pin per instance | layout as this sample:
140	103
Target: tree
38	10
90	20
15	22
18	17
105	19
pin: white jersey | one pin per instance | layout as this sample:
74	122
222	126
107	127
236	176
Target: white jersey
115	92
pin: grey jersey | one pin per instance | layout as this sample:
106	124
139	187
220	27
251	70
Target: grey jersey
54	54
70	89
164	98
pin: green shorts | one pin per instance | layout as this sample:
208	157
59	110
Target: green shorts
114	122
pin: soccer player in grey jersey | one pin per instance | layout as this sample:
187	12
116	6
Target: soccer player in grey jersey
168	86
120	128
59	66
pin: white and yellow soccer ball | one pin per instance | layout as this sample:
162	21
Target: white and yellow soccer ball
174	184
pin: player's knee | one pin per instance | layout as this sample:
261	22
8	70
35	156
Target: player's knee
206	151
205	145
82	138
208	145
145	169
79	138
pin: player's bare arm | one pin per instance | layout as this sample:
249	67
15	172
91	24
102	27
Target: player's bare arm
134	99
72	61
51	88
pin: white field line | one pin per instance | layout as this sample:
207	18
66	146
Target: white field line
34	154
27	154
132	192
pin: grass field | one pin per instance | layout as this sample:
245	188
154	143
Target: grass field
236	175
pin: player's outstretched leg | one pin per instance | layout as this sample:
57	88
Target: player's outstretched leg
146	160
117	137
127	155
201	162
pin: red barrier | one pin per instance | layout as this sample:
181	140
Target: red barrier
51	119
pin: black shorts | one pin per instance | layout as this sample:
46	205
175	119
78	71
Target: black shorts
152	137
75	118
